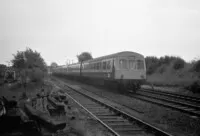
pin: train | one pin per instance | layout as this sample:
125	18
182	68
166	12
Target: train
126	70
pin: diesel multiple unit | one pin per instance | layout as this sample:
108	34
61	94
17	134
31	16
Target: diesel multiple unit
125	69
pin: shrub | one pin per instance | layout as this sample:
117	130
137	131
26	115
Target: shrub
194	87
150	71
36	75
151	64
196	66
165	60
162	69
178	64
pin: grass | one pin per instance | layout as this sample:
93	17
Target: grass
167	76
173	121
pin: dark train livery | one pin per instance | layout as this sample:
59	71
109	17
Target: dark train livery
126	69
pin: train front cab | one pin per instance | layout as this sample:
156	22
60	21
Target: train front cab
130	72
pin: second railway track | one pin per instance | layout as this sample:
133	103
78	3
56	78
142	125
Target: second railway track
189	99
117	121
179	102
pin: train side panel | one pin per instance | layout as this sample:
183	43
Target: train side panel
127	69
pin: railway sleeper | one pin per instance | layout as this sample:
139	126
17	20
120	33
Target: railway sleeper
108	117
131	133
119	124
104	114
112	120
99	108
99	112
130	129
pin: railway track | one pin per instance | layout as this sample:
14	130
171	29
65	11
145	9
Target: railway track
186	104
115	120
189	99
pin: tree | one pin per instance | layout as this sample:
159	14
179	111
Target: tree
196	66
178	63
29	63
152	64
2	70
83	57
28	59
3	67
54	64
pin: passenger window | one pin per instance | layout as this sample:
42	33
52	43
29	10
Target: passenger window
140	64
95	65
98	65
123	64
85	66
92	66
104	65
131	64
108	65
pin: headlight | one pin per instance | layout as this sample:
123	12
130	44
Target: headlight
142	76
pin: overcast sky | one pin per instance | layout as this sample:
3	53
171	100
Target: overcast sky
61	29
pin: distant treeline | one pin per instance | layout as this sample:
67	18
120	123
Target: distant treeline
155	64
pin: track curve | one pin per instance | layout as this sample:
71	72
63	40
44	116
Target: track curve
117	121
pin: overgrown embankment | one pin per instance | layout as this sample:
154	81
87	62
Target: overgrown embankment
172	71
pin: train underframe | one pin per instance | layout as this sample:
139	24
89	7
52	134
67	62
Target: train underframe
129	85
121	85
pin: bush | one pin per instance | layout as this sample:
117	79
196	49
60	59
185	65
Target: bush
165	60
196	66
178	64
160	64
151	64
150	71
162	69
194	87
36	75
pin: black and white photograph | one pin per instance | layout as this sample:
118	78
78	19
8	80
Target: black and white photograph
99	68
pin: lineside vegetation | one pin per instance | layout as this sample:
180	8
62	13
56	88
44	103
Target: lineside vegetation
172	71
30	65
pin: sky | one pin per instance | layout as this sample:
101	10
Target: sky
62	29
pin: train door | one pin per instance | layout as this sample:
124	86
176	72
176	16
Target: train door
113	68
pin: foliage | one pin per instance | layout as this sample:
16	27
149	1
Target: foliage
54	64
194	87
30	64
36	74
162	69
166	60
160	64
2	66
84	56
2	69
28	59
196	66
151	64
178	64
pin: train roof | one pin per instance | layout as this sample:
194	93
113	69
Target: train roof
114	55
110	56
